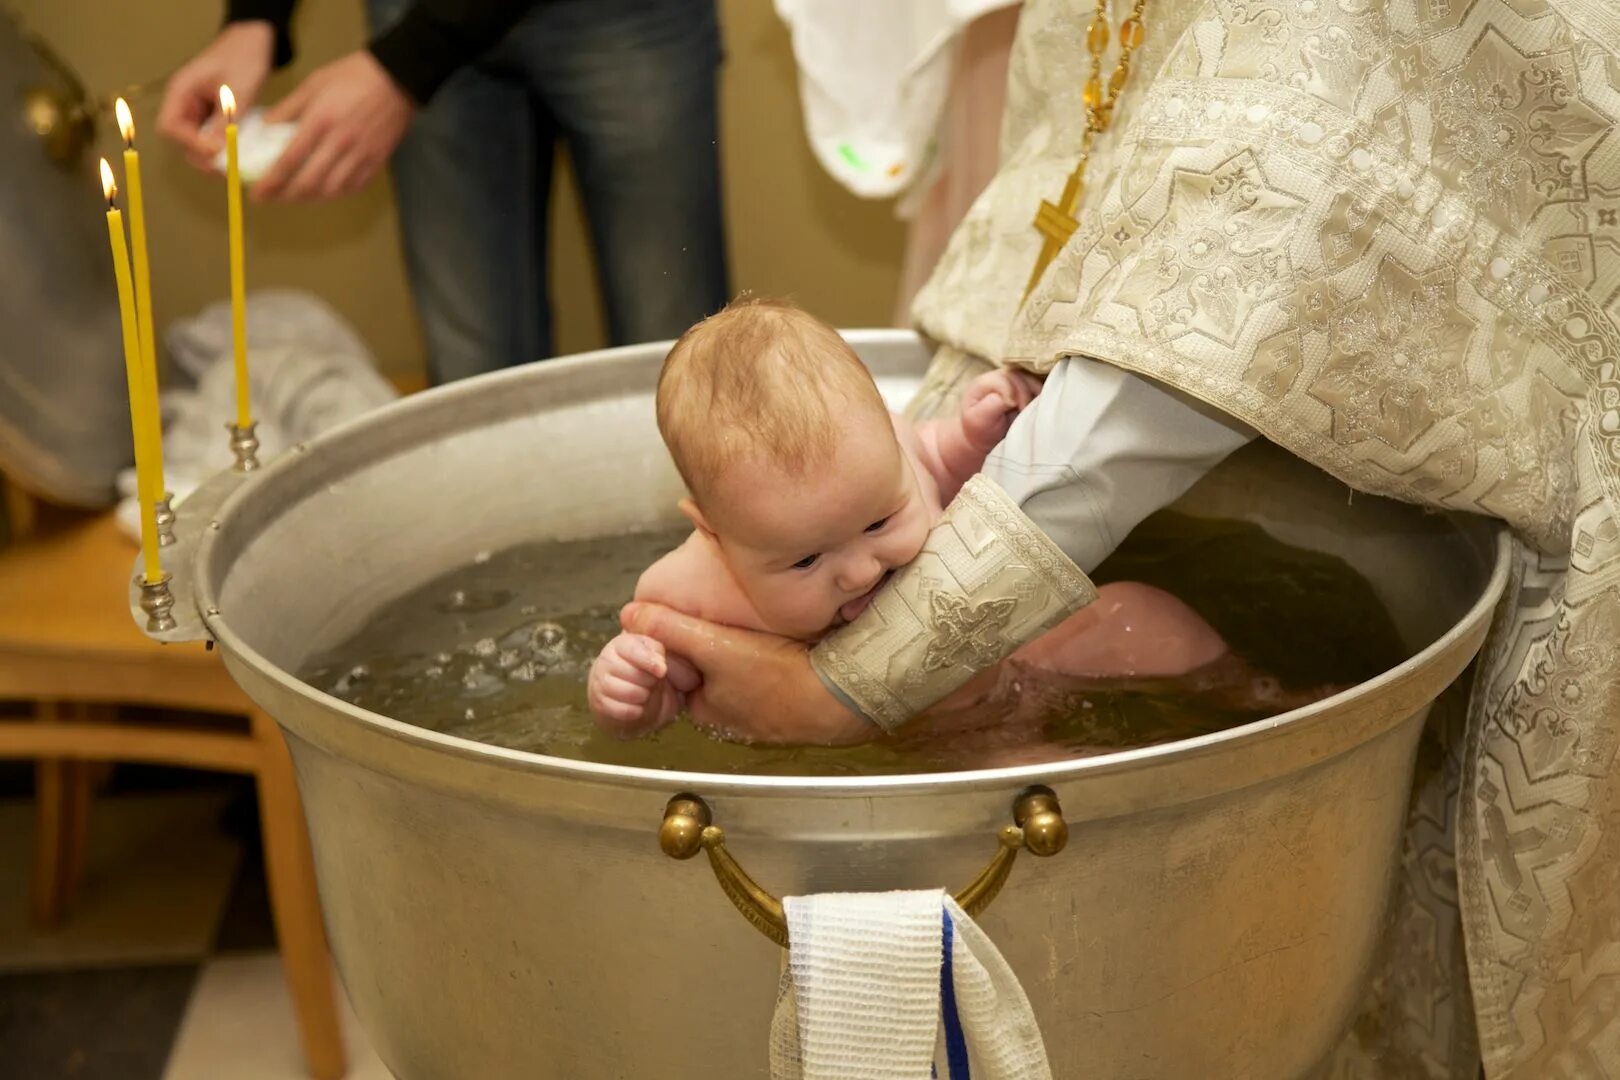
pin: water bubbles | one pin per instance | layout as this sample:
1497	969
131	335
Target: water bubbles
484	647
481	558
528	609
479	681
549	643
433	671
473	601
442	658
507	659
470	715
525	673
356	676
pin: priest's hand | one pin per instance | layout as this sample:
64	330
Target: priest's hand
350	116
239	57
757	688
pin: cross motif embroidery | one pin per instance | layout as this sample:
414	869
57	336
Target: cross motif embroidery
966	633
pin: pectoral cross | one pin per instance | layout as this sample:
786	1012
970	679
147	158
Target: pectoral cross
1056	223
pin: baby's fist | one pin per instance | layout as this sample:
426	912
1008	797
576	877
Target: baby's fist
990	403
627	689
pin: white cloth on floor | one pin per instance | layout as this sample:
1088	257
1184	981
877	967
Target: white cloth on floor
873	79
898	986
308	369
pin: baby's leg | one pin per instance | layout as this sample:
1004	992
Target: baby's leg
1131	631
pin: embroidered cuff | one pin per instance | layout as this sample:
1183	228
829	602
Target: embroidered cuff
986	581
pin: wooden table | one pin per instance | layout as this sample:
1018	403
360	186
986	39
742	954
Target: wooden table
68	645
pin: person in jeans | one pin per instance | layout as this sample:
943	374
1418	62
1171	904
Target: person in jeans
467	99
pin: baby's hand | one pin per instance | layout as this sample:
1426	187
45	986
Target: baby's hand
631	690
990	403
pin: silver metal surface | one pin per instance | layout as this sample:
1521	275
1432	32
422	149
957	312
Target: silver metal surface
501	914
196	514
64	419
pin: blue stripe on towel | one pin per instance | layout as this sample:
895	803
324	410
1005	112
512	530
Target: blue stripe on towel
956	1055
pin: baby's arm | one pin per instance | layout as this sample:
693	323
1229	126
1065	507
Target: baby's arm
635	687
953	449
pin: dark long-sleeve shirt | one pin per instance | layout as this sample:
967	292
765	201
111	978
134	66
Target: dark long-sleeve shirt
429	42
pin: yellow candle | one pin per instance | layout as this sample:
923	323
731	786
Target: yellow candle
153	427
233	202
134	371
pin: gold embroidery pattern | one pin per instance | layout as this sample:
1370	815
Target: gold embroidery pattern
969	635
1441	212
1513	130
1215	256
1396	365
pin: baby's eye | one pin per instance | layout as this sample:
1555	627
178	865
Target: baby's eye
806	563
878	524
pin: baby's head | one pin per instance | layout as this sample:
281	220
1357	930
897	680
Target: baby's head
792	462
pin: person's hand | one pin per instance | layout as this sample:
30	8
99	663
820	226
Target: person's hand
239	57
350	116
631	688
756	688
990	403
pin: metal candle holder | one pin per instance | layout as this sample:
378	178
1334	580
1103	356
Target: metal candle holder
158	603
163	515
245	445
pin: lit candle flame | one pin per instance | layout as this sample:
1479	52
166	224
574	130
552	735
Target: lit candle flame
126	122
109	186
227	102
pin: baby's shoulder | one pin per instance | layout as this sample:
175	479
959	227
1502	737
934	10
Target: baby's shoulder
694	579
694	559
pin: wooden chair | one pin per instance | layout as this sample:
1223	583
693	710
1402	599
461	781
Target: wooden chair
68	645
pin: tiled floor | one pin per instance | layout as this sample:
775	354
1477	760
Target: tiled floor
164	968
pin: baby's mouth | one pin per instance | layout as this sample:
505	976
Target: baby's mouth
858	605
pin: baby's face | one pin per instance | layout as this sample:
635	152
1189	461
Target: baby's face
809	551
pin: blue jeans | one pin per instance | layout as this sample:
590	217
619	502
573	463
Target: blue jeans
629	86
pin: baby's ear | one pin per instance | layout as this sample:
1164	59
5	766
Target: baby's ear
695	516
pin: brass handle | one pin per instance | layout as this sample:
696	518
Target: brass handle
689	827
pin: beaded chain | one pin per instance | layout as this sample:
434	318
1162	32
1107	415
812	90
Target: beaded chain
1056	221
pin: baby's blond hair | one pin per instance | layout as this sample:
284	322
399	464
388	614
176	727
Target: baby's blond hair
761	380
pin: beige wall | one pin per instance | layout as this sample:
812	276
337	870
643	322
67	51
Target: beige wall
792	230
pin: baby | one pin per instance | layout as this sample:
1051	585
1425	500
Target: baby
807	493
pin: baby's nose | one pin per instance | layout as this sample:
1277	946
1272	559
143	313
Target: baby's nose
861	574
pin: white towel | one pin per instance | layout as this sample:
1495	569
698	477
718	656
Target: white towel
898	986
308	369
873	78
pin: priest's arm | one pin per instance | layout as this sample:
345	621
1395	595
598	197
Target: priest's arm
1097	452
